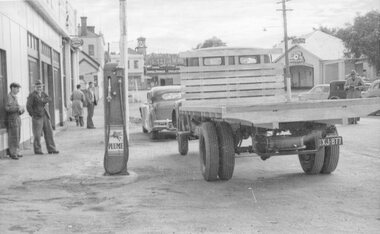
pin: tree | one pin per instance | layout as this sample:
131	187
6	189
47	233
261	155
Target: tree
361	38
212	42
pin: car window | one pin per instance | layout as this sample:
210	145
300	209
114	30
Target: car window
326	89
317	89
169	96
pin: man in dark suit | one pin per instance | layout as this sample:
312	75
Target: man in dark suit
91	103
37	108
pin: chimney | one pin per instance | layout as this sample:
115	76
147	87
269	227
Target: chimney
83	29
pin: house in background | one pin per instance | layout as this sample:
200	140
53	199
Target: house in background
92	56
318	58
89	70
135	68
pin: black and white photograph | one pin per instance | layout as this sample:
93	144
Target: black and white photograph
189	116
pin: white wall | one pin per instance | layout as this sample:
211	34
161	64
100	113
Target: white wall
16	19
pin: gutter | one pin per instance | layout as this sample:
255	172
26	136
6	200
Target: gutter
38	7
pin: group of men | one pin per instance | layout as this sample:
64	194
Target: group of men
37	108
81	98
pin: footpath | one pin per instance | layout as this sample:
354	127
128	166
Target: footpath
81	153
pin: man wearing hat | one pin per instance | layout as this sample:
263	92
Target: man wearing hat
354	85
37	108
14	110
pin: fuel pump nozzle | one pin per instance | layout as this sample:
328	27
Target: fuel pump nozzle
109	98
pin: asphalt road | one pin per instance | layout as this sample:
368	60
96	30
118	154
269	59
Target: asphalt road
166	193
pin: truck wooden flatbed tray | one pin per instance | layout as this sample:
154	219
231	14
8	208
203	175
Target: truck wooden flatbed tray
315	110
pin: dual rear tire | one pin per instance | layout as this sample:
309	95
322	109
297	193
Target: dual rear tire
216	151
324	161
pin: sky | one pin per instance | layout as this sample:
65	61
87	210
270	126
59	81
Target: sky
172	26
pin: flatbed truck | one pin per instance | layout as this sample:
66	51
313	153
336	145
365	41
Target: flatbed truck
232	94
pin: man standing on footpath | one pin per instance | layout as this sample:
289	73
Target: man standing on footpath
91	103
354	86
36	106
14	110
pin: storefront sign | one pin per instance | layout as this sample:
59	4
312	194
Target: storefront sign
76	42
296	57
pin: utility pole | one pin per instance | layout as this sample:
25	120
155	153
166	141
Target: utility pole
124	57
287	70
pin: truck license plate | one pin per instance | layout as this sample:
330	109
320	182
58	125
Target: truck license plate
337	140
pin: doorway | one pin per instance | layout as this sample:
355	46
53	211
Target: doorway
302	76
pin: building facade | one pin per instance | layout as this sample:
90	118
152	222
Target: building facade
36	44
136	76
93	49
319	58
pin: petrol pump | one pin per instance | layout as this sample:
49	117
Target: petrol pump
116	137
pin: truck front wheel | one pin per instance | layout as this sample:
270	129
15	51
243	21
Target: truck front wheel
313	163
209	151
226	151
331	156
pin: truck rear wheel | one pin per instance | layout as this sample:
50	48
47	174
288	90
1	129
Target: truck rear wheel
313	163
226	151
209	151
331	156
183	144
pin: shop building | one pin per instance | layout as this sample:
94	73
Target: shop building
318	58
36	43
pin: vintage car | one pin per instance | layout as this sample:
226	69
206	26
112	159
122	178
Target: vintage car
156	113
318	92
373	90
337	90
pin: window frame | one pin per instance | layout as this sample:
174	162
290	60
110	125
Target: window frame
91	49
258	60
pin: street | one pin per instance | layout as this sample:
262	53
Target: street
166	193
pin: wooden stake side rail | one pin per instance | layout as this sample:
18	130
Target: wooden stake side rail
202	74
228	51
286	111
261	67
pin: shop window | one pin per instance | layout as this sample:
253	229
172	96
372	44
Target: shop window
3	87
91	50
33	71
46	50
